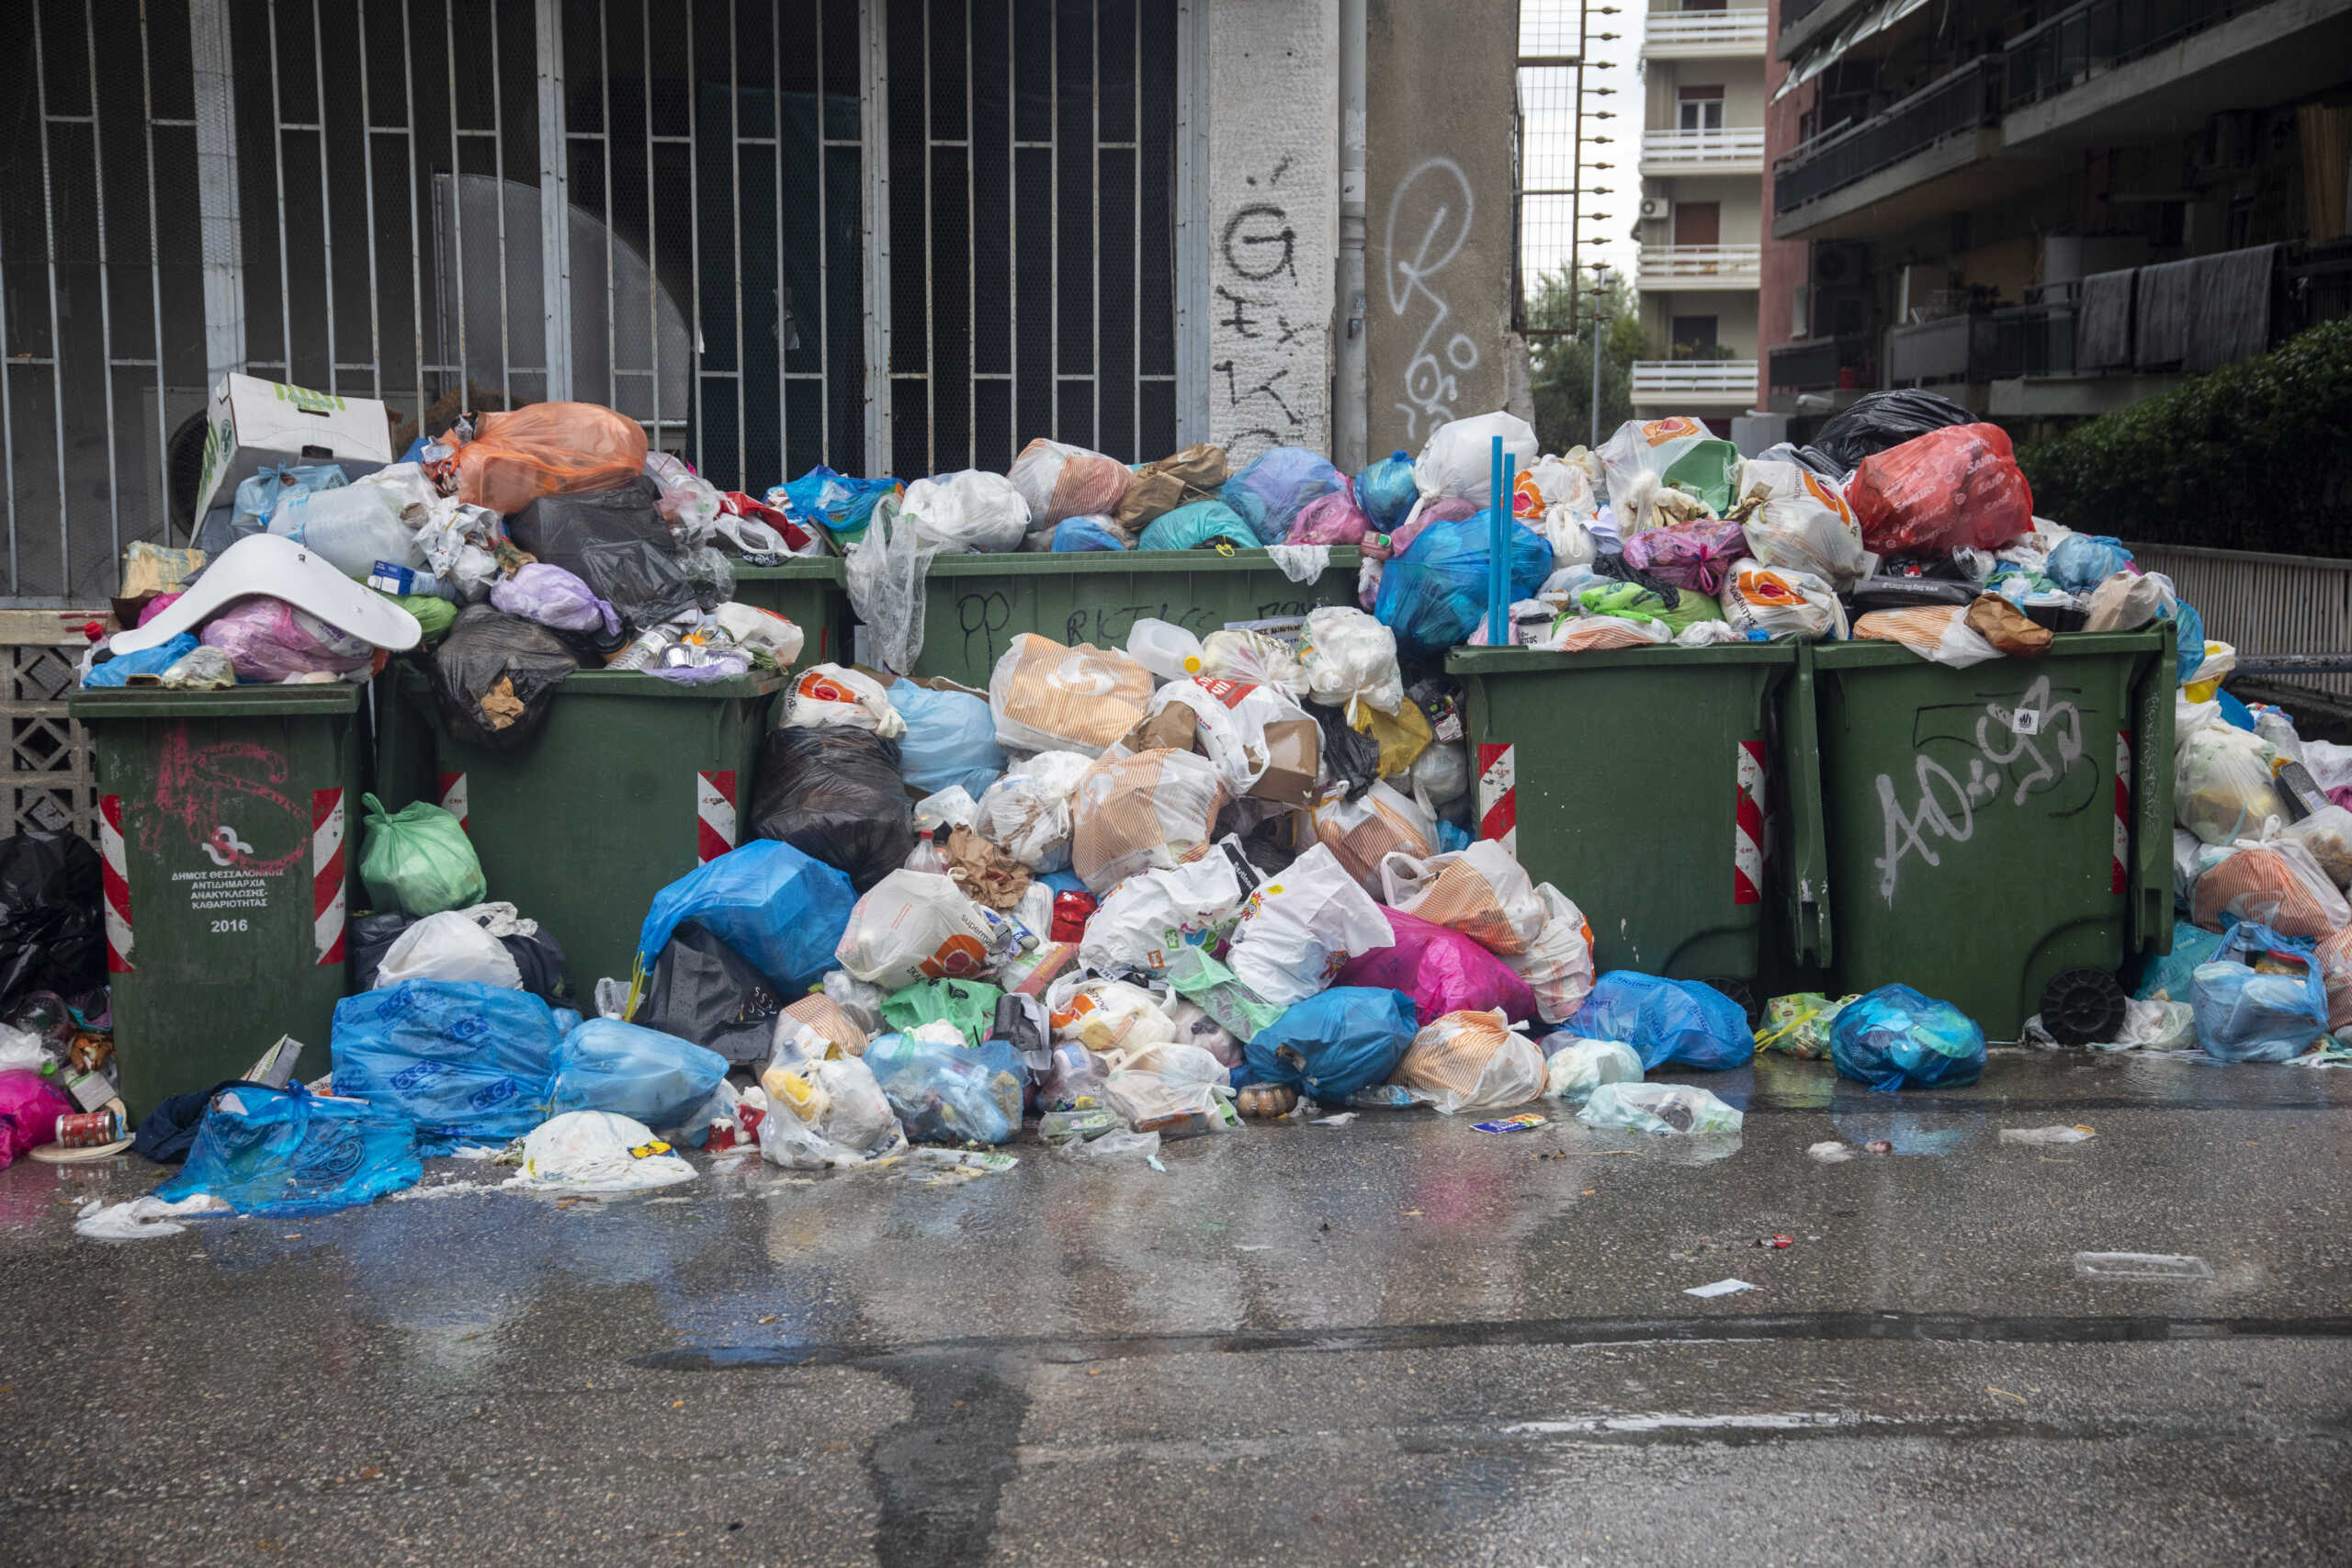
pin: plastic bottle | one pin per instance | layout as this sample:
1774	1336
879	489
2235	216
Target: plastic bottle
351	528
926	856
1168	650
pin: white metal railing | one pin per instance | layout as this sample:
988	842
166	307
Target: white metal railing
1699	266
1697	34
1670	151
1712	381
2264	604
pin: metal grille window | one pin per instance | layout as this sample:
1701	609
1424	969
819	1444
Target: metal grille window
1032	228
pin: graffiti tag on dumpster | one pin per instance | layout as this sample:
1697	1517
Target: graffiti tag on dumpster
2018	751
220	799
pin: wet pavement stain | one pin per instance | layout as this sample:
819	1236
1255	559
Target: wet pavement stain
939	1475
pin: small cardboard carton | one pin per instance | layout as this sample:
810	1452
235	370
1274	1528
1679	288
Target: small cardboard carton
253	423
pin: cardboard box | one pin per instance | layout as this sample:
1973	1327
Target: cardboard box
253	424
1294	751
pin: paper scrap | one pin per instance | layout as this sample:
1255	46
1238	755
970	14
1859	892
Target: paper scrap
1720	1288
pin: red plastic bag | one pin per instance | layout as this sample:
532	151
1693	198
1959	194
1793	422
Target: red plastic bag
1442	970
1951	488
30	1107
545	449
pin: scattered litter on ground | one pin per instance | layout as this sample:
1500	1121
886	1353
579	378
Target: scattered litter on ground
2077	1134
2153	1266
1720	1288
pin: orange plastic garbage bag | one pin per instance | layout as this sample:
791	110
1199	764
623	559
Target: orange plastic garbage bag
544	449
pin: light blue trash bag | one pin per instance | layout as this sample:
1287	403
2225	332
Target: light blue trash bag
782	911
2243	1015
1434	595
117	670
1269	492
950	741
1335	1041
949	1094
2082	561
1896	1038
287	1152
2168	979
643	1074
468	1062
1685	1022
1195	523
1075	534
260	496
1385	490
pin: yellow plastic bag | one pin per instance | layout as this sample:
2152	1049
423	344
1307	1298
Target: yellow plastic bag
1401	736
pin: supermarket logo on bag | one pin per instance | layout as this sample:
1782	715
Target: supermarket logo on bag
959	957
415	1077
1658	432
1828	497
819	687
497	1094
1232	693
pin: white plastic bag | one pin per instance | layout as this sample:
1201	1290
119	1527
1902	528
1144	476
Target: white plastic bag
1361	832
1231	720
916	925
1441	774
826	1113
1675	1108
1572	1072
1047	697
1458	459
1028	812
1565	484
1780	602
1254	658
1481	892
1798	520
1471	1061
1156	809
1145	919
1058	482
2126	601
2274	880
1569	533
2221	776
885	571
1301	927
1938	633
950	808
1107	1015
597	1151
834	694
1633	462
1557	965
966	511
751	626
2327	834
1348	657
448	946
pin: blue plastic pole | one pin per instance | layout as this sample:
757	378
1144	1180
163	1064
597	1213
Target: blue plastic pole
1498	554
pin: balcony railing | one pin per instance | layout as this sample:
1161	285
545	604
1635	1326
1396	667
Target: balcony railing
1699	266
1990	345
1697	35
1733	150
1795	11
1952	106
1695	380
2098	35
1822	365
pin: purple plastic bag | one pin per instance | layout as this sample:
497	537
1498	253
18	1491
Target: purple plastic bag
1696	556
1442	970
720	666
1270	491
268	640
554	598
30	1107
1332	519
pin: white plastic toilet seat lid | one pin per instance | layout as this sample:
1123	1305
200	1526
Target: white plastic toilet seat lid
265	563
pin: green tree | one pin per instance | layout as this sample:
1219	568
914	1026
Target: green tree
1562	367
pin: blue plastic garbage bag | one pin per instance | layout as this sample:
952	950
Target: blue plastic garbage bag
1335	1041
950	1094
1268	493
643	1074
1896	1038
468	1062
1435	593
780	909
1682	1022
2082	561
1085	534
950	740
842	504
1386	492
2167	978
119	671
272	487
2189	647
2247	1015
1195	523
287	1151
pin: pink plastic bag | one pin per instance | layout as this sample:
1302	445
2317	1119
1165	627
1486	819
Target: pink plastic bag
553	597
1442	971
30	1107
1332	519
269	640
1696	556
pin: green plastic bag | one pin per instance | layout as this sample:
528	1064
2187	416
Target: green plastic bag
419	860
1799	1023
1706	470
435	615
1632	601
969	1005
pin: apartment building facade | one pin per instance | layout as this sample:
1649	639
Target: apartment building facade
2048	212
1701	220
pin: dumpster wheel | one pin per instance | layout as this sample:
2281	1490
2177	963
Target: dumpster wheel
2082	1006
1740	991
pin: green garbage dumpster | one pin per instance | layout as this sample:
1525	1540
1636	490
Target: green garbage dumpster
1646	783
808	592
224	825
2002	831
632	782
974	605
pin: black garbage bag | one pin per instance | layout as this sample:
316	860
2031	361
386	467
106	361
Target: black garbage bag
52	919
704	991
371	938
1812	459
835	793
495	675
540	959
1353	757
617	542
1871	423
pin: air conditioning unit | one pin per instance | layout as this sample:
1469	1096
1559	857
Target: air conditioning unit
1656	209
1839	264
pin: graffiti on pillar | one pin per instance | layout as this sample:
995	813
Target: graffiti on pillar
1258	290
1429	222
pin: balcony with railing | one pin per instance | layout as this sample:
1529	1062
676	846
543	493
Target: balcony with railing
1953	106
1704	35
1820	364
1694	267
2003	344
1734	150
2098	35
1692	383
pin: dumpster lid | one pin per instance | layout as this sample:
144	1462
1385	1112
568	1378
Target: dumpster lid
1541	660
319	699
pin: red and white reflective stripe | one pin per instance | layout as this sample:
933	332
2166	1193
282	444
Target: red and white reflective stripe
714	815
327	875
1499	795
2122	880
1747	825
453	796
116	883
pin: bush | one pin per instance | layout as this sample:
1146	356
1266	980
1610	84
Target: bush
2253	456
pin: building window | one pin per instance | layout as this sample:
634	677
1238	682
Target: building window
1699	109
1694	337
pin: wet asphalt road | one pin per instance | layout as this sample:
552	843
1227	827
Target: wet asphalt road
1400	1341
